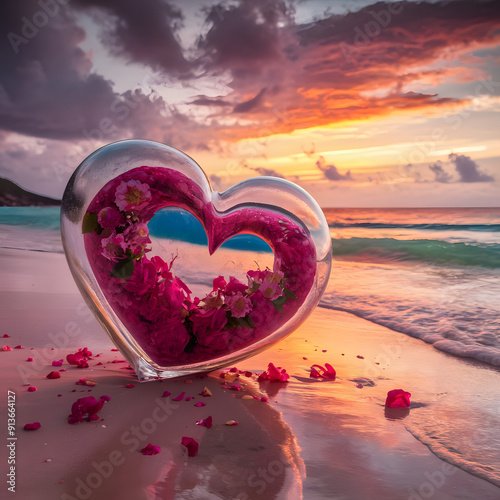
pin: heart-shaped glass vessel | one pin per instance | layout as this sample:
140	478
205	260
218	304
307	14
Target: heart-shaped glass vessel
182	278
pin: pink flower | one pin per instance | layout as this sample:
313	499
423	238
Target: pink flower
132	195
397	398
274	374
234	286
270	286
191	445
219	283
327	372
162	268
110	218
142	279
207	327
113	247
137	237
214	300
239	305
150	449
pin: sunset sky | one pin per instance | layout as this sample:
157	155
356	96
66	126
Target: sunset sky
362	104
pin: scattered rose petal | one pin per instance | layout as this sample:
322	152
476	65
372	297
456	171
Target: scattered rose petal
200	403
130	386
359	386
360	357
150	449
114	349
232	422
6	348
189	398
54	375
180	397
274	374
79	358
191	445
32	388
328	372
89	406
19	347
166	394
304	358
32	427
30	358
58	363
248	374
397	398
5	336
206	392
205	422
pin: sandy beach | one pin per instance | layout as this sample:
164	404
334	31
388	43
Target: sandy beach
312	440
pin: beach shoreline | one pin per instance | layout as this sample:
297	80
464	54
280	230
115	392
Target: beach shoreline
313	440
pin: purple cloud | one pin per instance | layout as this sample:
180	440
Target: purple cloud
468	169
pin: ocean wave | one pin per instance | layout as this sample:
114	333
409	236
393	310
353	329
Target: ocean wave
494	228
447	327
437	252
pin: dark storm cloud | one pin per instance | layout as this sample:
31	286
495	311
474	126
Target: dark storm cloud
140	31
244	36
48	89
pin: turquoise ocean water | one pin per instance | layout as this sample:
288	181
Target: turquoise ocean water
429	273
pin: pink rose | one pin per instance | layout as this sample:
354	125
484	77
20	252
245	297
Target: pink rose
142	279
397	398
207	327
